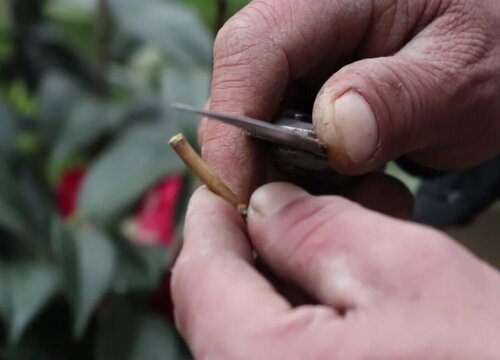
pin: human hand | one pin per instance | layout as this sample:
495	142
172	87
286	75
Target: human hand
418	78
386	289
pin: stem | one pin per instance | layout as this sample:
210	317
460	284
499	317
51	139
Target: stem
203	172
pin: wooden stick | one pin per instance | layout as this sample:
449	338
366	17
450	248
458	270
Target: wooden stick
203	172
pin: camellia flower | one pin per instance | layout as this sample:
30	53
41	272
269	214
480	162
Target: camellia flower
155	218
67	190
153	223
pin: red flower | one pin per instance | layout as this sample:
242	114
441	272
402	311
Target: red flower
155	219
67	190
155	223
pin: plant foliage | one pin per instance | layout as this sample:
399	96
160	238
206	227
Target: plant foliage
84	128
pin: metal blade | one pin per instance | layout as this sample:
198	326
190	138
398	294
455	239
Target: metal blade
263	130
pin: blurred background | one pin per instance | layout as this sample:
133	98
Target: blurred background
92	197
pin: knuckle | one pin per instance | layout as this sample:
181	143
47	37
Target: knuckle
234	38
254	28
247	29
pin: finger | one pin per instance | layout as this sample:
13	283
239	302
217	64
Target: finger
217	294
202	126
381	193
257	54
427	101
342	254
375	191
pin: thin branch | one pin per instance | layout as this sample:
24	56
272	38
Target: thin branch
203	172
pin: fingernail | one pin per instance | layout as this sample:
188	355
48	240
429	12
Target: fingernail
355	121
354	132
271	198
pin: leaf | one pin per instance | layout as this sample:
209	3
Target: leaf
87	261
126	333
8	131
124	171
89	120
168	26
13	217
28	287
207	9
139	268
74	21
38	201
95	267
190	87
154	340
58	96
64	251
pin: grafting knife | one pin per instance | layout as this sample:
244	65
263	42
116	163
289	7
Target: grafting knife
291	140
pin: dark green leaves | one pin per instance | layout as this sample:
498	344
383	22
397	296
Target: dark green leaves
13	217
8	131
129	167
87	260
78	285
24	290
89	266
168	26
90	119
130	334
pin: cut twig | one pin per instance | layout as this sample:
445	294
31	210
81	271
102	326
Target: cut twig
204	173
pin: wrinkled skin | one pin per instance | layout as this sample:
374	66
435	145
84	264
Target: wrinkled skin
421	78
428	69
386	289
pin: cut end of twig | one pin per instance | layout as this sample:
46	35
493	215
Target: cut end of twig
175	140
186	152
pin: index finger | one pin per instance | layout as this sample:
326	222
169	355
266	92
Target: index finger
257	55
247	80
218	295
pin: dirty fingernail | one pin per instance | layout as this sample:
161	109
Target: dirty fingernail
349	126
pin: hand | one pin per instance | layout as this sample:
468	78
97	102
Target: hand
386	289
418	78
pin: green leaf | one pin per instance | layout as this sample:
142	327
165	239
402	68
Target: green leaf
74	21
139	269
206	9
27	288
8	131
95	267
64	251
126	333
58	95
126	170
13	217
89	120
190	87
168	26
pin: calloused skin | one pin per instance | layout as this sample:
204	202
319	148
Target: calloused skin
428	69
417	78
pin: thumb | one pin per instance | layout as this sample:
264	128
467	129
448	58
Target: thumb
343	255
433	108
